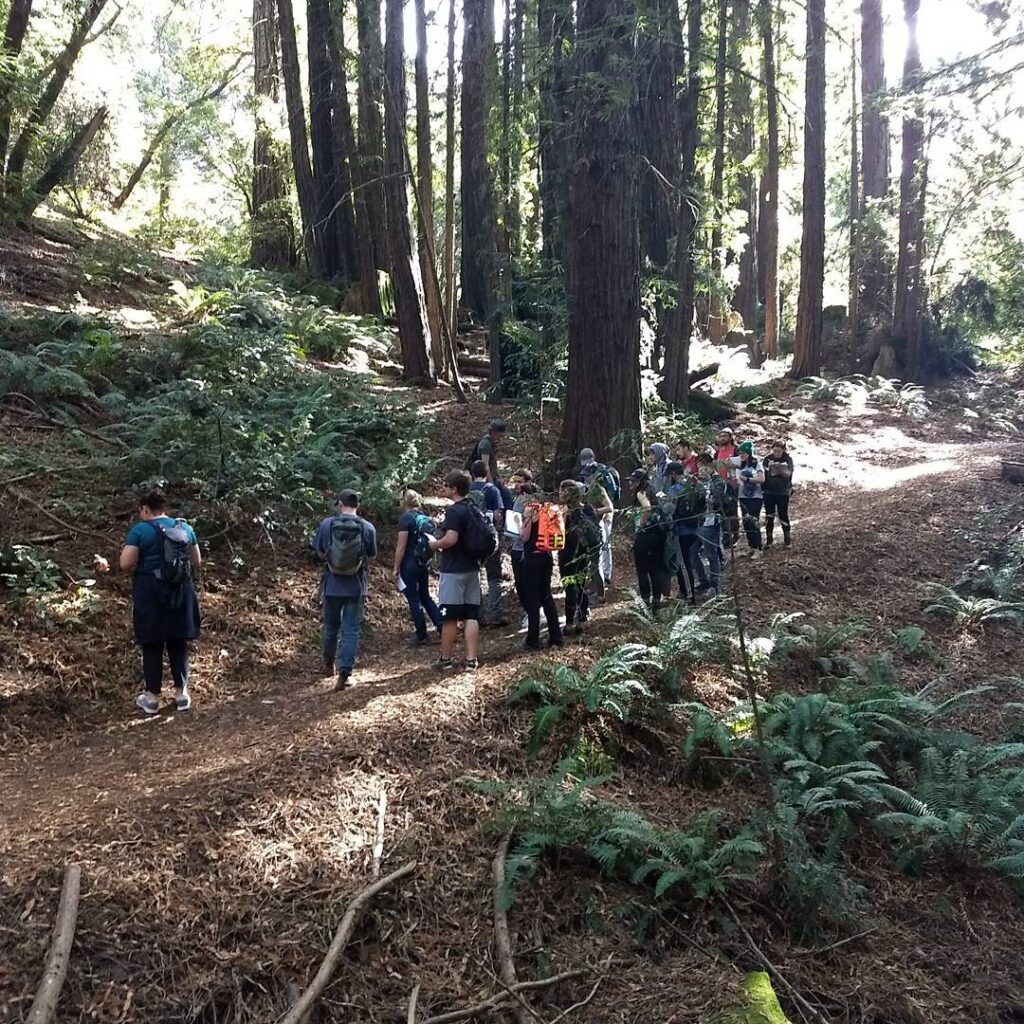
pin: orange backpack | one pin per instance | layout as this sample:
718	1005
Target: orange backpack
550	528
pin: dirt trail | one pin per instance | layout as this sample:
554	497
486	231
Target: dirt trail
199	794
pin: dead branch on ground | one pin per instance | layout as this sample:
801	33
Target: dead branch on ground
59	954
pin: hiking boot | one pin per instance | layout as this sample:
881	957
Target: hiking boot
555	641
147	703
183	700
444	664
471	665
531	645
343	681
788	541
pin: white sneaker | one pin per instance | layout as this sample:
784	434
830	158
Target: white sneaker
147	703
755	554
184	701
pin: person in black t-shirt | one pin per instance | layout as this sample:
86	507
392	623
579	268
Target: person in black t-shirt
537	567
412	570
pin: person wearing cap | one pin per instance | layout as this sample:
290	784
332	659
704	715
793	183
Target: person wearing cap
750	477
592	473
344	594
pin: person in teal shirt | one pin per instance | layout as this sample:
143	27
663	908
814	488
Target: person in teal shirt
163	617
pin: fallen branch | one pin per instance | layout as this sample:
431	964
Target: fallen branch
323	976
771	968
378	845
502	997
413	1000
42	414
16	479
22	496
583	1002
502	939
59	954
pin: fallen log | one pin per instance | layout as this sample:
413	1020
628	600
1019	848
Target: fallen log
323	976
696	376
58	956
502	938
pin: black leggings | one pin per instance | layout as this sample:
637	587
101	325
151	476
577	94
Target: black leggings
752	521
652	578
575	572
535	583
693	570
153	663
776	504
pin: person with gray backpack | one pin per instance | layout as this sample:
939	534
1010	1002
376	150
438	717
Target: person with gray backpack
162	554
346	542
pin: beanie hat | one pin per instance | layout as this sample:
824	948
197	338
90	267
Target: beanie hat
747	446
586	456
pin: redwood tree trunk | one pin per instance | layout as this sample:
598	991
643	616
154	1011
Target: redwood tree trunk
14	37
405	270
807	343
716	326
449	180
272	232
43	106
876	272
603	386
676	381
908	319
304	184
425	190
554	34
371	125
853	310
770	183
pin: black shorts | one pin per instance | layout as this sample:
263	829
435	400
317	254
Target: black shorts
460	613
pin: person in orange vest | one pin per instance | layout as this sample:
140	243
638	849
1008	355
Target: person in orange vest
536	569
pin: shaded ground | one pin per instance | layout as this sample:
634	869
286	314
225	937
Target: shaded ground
218	848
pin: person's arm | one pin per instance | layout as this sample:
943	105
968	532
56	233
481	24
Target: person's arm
370	540
485	458
758	477
605	507
403	543
449	540
129	558
529	514
195	556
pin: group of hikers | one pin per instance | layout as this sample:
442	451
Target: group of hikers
683	507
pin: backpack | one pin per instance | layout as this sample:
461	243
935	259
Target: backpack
609	478
550	528
175	554
346	552
587	529
474	455
421	545
480	539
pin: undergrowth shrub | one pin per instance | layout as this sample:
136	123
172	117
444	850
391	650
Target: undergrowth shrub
970	612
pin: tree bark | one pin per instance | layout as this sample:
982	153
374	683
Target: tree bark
371	125
602	408
554	34
336	241
353	196
14	37
716	324
807	343
425	177
62	166
304	183
742	110
770	204
43	107
908	318
853	309
876	274
170	122
676	381
449	180
272	230
410	307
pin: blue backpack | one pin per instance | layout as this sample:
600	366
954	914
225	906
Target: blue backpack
421	543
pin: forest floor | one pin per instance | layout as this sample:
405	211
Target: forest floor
219	847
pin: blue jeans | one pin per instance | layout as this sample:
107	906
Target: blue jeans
344	615
711	541
416	578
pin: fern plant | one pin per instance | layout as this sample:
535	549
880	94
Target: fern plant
613	690
967	612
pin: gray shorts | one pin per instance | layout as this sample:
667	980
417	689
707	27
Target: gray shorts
459	588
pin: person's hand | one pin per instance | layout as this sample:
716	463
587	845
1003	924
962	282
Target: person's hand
100	564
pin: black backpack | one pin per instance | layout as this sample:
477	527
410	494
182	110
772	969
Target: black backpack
587	529
175	570
421	545
480	538
346	551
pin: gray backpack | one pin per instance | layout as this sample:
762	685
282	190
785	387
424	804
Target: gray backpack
346	553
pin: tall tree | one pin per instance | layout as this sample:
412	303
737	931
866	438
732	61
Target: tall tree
807	342
770	185
716	325
14	37
603	384
853	311
371	125
676	381
312	234
876	272
410	306
554	36
449	178
271	241
355	209
425	192
908	318
43	107
742	112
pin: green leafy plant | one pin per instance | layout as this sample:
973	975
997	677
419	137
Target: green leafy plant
968	612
